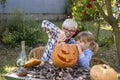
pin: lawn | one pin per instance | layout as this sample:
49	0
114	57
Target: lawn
9	55
8	59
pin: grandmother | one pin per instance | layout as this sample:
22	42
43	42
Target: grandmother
56	34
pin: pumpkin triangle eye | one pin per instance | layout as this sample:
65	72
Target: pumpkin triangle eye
64	52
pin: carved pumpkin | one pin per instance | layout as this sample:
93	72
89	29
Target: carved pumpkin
103	72
64	55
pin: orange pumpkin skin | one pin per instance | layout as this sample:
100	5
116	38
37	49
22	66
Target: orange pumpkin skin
103	72
65	55
32	62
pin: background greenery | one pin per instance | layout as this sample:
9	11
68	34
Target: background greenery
19	27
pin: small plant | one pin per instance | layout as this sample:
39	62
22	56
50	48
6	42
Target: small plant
8	37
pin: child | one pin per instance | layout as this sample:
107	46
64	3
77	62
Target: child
86	47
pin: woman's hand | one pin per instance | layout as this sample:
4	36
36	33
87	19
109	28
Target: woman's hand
62	37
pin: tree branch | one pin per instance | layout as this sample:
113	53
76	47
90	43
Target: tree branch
108	7
101	11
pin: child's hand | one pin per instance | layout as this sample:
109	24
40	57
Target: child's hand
79	47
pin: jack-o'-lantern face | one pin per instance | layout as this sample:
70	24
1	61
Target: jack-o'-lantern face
65	55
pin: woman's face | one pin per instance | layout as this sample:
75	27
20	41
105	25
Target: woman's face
68	32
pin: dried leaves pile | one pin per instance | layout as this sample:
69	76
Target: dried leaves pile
50	72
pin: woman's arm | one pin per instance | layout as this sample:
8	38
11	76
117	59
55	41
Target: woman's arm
49	27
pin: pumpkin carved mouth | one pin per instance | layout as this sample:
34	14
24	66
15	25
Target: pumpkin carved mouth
65	60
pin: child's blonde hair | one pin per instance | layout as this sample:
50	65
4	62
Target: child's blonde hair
88	37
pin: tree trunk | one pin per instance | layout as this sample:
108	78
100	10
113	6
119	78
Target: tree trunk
98	31
117	38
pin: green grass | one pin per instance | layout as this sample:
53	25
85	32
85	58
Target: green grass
8	55
8	59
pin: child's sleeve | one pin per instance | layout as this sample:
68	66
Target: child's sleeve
84	58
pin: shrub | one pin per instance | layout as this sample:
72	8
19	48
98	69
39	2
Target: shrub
7	37
21	28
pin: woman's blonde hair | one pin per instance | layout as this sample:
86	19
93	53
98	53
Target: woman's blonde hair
88	37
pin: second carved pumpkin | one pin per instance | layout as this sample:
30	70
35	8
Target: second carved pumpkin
103	72
65	55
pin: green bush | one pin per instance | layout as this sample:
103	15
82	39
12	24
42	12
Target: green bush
8	37
80	11
30	35
15	21
19	27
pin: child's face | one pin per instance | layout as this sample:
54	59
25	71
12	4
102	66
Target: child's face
83	44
